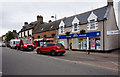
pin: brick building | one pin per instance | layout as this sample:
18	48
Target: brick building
46	32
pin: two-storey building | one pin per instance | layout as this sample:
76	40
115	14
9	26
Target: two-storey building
93	30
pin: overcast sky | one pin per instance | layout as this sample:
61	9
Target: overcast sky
13	14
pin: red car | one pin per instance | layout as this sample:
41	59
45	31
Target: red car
26	44
52	49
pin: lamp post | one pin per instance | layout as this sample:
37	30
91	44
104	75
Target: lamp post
55	27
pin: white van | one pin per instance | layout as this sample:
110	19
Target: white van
13	42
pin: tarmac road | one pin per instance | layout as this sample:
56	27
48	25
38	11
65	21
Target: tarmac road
16	62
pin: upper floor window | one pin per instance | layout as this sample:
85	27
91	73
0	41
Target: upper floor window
92	25
61	29
75	27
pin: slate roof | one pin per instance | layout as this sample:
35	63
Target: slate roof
47	26
29	26
101	13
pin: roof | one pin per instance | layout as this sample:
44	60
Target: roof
47	26
101	14
29	26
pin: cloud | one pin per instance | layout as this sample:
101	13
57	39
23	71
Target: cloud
14	14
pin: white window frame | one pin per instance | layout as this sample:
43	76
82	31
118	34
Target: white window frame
61	25
75	29
92	23
61	29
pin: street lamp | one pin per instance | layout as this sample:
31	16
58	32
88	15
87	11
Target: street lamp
55	27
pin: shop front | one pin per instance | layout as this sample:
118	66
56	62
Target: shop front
86	41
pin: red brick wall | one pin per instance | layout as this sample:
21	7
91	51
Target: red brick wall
47	33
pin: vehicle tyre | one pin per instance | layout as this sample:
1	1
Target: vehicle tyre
38	51
53	53
21	48
61	54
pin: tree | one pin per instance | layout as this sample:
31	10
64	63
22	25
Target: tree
9	36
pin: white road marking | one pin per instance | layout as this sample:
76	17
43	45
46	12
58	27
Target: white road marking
115	63
0	72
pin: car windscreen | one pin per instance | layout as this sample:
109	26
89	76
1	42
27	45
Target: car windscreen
27	41
59	45
17	42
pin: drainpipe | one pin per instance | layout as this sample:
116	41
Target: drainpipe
103	37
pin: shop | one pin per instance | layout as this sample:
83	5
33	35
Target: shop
86	41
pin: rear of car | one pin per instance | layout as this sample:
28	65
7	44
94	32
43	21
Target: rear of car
52	49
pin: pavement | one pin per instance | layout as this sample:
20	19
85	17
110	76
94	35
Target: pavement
16	62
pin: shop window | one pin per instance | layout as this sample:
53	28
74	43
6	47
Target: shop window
75	27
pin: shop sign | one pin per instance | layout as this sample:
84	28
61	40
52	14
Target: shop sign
113	32
78	35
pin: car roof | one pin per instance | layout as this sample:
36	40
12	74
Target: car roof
53	43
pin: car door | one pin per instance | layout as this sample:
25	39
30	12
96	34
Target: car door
44	47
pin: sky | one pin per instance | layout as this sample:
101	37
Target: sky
13	14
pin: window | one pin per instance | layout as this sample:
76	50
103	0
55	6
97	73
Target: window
59	45
28	33
45	45
38	36
49	45
61	29
75	27
92	24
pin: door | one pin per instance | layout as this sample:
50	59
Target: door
44	47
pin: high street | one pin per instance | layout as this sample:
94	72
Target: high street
16	62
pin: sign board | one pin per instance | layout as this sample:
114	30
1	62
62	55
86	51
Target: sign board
78	35
113	32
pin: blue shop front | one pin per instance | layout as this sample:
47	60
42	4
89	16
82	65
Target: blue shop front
86	41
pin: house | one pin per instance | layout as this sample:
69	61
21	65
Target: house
93	30
46	32
27	29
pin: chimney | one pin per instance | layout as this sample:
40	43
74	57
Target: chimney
40	19
14	31
25	23
109	2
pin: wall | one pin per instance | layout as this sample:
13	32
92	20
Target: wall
111	41
47	33
84	26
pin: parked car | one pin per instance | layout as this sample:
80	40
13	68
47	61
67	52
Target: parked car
2	44
52	49
26	44
13	43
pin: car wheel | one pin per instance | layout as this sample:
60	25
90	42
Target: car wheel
38	51
53	53
21	48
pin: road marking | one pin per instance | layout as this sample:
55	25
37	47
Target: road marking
115	63
0	72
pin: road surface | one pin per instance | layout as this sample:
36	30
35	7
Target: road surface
16	62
